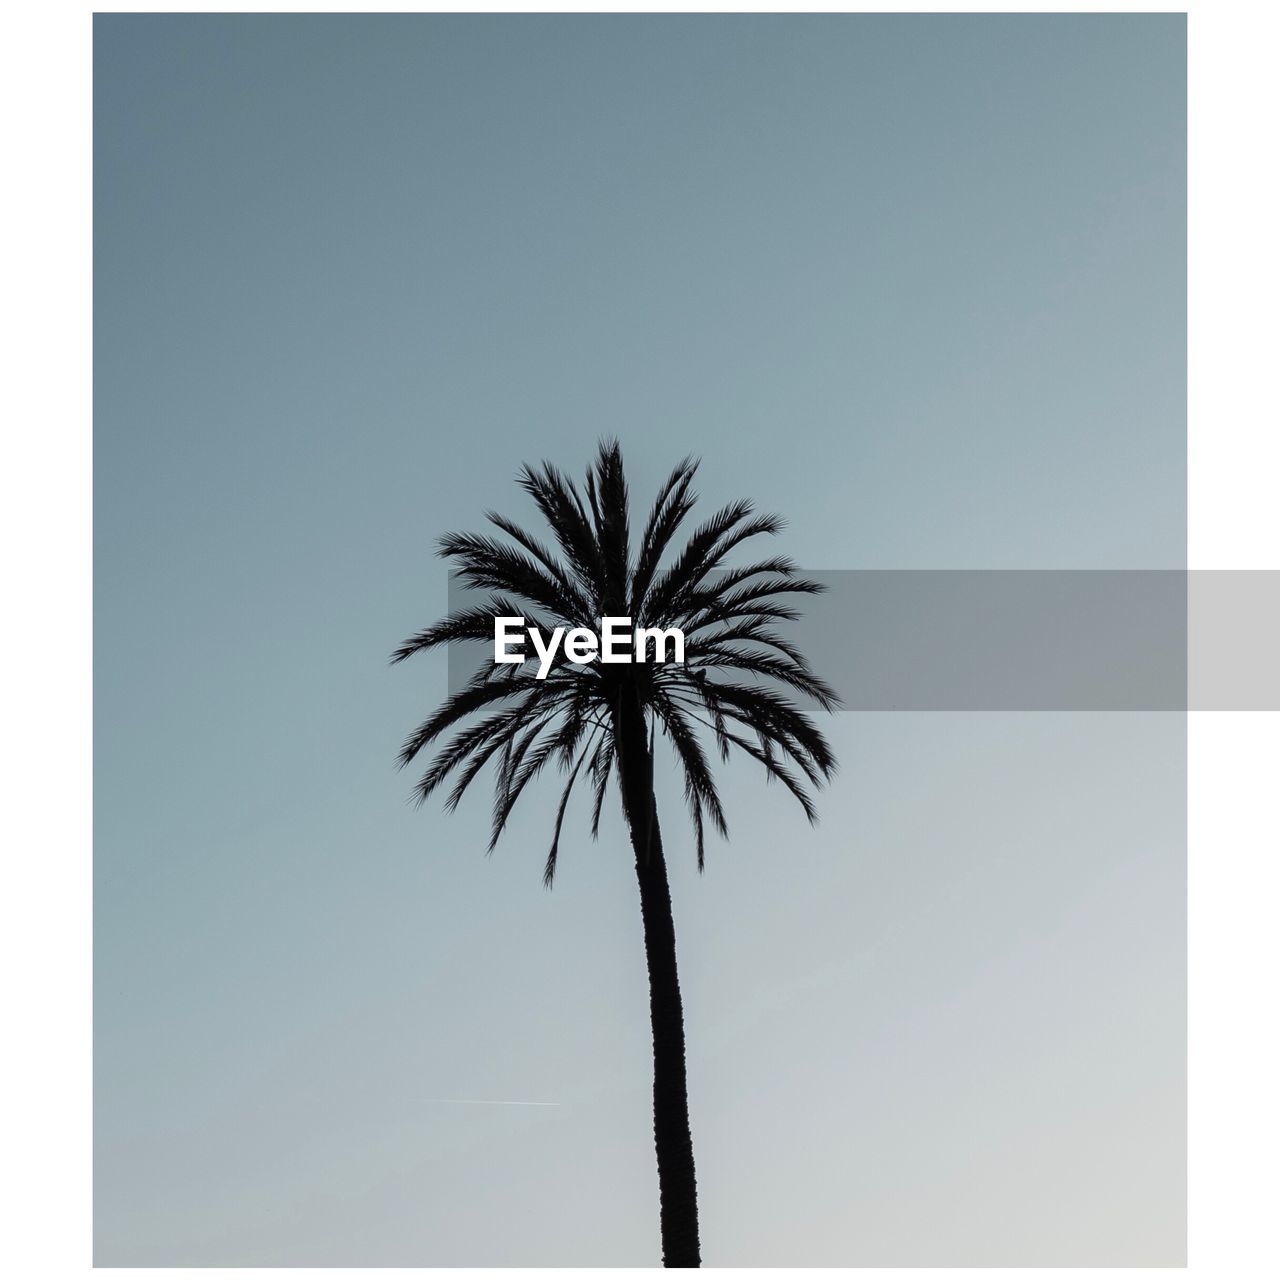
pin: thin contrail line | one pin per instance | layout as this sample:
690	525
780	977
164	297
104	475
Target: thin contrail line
492	1102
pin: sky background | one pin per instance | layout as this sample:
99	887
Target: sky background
916	282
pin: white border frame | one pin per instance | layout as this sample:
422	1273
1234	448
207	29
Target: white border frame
45	505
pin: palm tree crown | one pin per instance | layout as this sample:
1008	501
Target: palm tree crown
731	690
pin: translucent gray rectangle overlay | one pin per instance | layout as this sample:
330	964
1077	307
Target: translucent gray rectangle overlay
1027	640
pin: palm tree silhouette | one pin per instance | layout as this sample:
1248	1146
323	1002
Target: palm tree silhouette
604	717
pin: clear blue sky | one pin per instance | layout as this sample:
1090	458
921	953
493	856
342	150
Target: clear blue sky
918	283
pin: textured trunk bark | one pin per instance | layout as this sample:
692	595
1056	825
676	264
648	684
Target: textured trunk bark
677	1184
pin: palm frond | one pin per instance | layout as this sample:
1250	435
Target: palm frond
475	623
674	501
601	767
549	869
607	495
699	782
562	509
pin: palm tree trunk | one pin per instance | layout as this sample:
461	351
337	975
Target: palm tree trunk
677	1184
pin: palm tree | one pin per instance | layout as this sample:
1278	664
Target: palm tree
604	718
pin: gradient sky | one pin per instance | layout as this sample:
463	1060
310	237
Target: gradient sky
916	282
